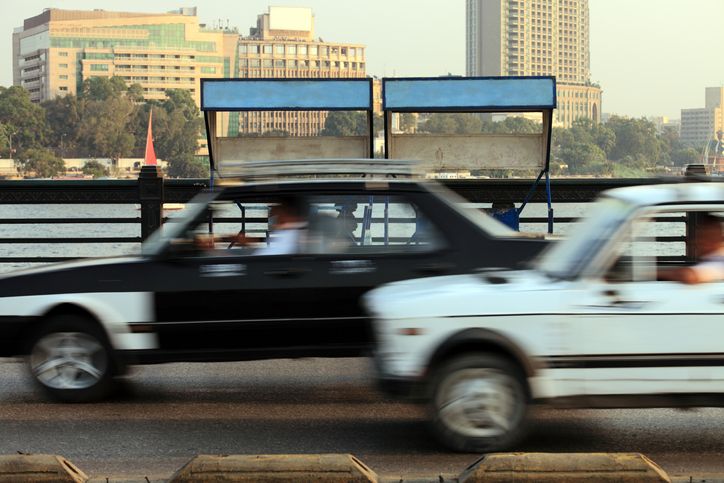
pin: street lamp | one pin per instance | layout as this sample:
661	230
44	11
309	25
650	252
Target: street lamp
11	144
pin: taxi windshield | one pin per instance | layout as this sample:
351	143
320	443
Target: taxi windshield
175	226
567	258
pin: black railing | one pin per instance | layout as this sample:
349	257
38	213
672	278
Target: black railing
69	192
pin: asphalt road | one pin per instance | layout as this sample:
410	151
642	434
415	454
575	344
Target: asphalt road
162	416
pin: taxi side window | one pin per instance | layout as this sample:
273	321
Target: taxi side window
370	224
648	244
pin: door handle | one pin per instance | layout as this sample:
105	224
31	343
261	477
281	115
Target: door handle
288	272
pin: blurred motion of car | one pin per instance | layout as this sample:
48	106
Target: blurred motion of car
207	288
589	326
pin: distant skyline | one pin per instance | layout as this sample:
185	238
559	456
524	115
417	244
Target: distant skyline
651	57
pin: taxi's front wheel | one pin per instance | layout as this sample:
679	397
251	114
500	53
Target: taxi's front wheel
479	403
72	360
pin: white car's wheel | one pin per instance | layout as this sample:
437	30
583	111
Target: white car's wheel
479	403
72	360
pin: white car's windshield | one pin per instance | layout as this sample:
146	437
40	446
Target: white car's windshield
567	258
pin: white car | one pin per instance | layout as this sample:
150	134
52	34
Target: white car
588	326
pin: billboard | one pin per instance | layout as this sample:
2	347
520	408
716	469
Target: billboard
290	18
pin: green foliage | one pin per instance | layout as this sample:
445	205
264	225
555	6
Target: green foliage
345	123
686	156
445	123
581	154
23	119
41	162
186	167
64	116
96	169
407	121
102	88
104	127
635	138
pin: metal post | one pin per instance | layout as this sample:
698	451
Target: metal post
150	195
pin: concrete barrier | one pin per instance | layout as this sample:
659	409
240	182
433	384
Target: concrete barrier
39	468
563	467
326	468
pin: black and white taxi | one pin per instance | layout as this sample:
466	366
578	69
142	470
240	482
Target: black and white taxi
205	289
591	325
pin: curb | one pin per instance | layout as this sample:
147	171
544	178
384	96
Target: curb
333	468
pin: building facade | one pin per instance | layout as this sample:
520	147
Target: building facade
54	52
283	45
698	126
536	38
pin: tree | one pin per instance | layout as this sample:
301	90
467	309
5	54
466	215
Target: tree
407	121
102	88
186	167
345	123
64	116
685	156
41	162
634	137
445	123
23	119
580	155
105	127
95	168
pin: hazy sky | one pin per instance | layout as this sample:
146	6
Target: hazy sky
652	57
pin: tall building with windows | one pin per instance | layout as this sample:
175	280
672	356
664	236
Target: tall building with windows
535	37
698	126
283	45
54	52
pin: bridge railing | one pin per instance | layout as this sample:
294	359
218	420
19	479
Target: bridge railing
128	192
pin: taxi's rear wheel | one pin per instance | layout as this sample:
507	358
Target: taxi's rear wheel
479	403
72	360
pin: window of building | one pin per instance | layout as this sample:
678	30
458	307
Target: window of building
292	49
268	63
279	49
361	65
63	54
324	50
315	64
303	50
63	66
325	64
343	50
313	50
292	64
63	76
243	62
254	63
99	67
335	64
267	49
253	48
208	70
242	49
279	64
303	64
63	88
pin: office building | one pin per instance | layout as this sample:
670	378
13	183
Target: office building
283	45
536	38
54	52
698	126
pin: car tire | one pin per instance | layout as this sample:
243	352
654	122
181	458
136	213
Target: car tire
72	360
479	403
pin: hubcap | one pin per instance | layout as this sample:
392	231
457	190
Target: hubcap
68	360
480	403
